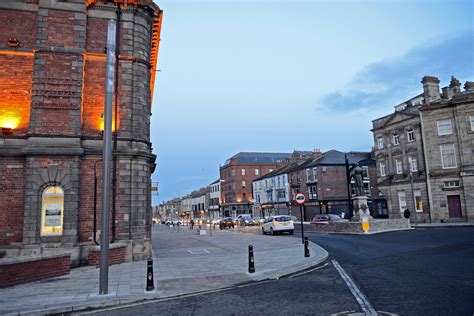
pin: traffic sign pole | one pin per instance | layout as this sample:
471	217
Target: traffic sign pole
302	227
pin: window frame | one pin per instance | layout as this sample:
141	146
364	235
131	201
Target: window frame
382	168
380	142
471	120
56	199
398	162
410	162
396	139
440	124
443	163
410	135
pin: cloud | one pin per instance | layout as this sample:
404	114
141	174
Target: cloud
395	80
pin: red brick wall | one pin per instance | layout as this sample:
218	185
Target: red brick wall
19	25
116	256
19	273
12	189
334	178
59	31
94	95
15	94
96	36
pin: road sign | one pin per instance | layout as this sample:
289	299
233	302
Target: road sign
300	198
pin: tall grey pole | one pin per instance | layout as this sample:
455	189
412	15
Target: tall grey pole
106	156
414	198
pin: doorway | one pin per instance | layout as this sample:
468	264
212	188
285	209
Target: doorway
454	206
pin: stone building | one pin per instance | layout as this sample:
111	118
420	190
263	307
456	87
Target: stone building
448	137
52	88
236	177
400	160
424	153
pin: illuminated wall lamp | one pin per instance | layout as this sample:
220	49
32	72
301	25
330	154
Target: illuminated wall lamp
13	42
7	130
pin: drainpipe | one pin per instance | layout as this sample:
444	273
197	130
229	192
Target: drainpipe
95	203
427	168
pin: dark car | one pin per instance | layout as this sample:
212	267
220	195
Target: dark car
226	222
246	220
327	218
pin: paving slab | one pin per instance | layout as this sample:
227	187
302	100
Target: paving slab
184	262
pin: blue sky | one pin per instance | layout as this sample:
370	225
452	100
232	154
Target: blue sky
283	75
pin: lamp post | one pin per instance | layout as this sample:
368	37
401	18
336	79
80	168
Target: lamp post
348	183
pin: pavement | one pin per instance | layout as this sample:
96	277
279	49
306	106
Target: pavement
184	263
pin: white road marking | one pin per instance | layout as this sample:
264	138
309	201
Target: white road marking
198	251
359	296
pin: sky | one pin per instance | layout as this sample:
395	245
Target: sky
278	76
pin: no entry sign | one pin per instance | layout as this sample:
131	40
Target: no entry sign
300	198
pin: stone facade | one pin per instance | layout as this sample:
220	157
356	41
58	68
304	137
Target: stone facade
409	147
448	124
52	59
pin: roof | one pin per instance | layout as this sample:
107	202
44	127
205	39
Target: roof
214	182
331	157
258	158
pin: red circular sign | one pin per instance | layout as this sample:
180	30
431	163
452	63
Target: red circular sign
300	198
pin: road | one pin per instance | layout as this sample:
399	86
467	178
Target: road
418	272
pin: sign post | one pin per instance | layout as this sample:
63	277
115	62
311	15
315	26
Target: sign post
300	198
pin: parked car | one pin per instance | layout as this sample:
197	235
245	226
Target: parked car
258	220
278	224
327	218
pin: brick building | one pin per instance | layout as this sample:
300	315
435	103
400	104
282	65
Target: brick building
236	177
52	88
323	179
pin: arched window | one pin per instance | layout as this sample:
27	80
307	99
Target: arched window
52	211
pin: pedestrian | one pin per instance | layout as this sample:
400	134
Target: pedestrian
192	224
406	213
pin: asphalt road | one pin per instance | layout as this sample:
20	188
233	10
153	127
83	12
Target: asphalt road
418	272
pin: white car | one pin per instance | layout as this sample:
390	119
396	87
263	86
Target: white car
278	224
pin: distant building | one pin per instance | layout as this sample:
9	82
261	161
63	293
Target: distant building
424	153
200	203
322	178
236	177
215	199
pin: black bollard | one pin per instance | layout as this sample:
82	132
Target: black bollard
306	248
149	276
251	260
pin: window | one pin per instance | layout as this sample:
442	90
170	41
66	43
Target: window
308	175
402	202
383	172
448	156
233	186
243	172
411	135
413	163
367	188
471	119
444	127
52	211
365	171
244	184
418	201
257	172
279	181
380	142
396	139
398	166
312	192
314	173
451	184
232	173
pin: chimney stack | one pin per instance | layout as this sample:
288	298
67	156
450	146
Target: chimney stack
469	86
431	89
317	153
455	85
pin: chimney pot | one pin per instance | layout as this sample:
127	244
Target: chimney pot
469	86
455	85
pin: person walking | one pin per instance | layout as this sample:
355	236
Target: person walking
192	224
406	213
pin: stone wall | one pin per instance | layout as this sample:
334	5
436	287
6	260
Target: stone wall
378	225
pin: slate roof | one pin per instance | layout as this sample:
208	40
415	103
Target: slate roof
258	158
